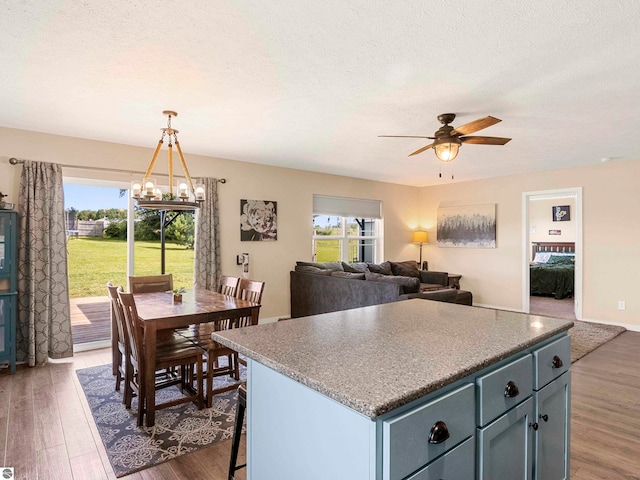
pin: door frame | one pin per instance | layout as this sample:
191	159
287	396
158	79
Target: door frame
576	192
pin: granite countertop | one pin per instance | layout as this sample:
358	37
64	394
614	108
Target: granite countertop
375	359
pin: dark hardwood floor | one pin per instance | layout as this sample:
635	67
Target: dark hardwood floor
47	432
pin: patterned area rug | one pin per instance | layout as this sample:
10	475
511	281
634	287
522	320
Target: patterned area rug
178	430
587	336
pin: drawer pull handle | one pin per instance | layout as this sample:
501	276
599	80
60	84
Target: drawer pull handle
511	390
534	426
439	432
544	417
557	362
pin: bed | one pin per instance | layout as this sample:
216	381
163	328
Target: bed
552	269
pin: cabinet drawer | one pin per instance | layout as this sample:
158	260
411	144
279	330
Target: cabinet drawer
504	388
406	444
551	361
458	463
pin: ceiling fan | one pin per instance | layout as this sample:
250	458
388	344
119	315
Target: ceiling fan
447	140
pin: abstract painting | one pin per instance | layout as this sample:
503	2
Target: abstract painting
471	226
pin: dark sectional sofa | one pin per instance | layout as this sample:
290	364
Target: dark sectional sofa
328	287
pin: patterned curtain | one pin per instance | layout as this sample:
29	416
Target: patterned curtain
44	321
207	242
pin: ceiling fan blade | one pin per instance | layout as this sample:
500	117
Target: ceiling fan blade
421	150
405	136
476	125
485	140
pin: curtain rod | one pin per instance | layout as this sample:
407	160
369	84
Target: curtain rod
16	161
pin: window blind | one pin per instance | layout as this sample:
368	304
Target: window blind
347	207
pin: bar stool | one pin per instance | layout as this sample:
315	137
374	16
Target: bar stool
235	443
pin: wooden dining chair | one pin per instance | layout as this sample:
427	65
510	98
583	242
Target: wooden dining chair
250	290
151	283
168	355
228	285
200	334
247	290
120	344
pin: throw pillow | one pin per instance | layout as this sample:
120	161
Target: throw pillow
358	267
356	276
407	284
384	268
313	270
408	268
323	265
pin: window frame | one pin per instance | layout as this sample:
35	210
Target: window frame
344	239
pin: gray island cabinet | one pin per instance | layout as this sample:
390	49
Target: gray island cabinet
417	390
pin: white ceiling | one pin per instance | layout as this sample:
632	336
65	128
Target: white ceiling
311	85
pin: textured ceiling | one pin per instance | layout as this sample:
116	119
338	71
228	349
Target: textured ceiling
311	85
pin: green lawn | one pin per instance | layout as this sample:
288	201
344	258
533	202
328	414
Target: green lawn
95	261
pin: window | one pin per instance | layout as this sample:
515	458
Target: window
340	234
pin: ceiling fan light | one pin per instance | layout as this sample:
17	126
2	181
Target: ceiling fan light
446	148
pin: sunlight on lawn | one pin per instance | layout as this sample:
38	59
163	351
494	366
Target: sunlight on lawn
95	261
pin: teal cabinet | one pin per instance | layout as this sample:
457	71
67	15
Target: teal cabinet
8	288
503	422
504	446
552	436
530	441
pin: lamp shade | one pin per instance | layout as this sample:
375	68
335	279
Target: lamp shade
420	237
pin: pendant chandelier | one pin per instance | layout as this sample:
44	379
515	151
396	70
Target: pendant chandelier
183	195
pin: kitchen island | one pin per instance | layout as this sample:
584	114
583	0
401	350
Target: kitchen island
402	390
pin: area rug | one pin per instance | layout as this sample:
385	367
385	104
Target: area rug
587	336
178	430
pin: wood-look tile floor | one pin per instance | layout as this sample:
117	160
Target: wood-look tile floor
47	432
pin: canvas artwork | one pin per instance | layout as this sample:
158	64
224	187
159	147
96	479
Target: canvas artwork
258	220
470	226
561	213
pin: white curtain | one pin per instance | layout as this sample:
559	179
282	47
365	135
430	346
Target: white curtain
44	321
207	241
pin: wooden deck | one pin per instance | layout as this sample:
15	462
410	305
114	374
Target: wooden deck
90	319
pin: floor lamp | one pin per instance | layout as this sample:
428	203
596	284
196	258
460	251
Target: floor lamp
420	238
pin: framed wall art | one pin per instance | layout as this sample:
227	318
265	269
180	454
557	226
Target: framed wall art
561	213
258	220
472	226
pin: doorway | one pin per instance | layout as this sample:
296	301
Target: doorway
545	227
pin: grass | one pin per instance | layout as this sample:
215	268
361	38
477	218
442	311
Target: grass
95	261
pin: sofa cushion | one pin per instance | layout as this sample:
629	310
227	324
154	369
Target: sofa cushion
384	268
312	269
358	267
357	276
408	268
323	265
408	284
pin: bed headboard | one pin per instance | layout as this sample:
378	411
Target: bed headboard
560	247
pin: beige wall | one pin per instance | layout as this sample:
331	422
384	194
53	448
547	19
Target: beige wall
292	189
611	229
611	203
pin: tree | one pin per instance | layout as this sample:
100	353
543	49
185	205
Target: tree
182	230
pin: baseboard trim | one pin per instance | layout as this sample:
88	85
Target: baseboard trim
272	319
84	347
633	328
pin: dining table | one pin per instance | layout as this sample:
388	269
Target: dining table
158	311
